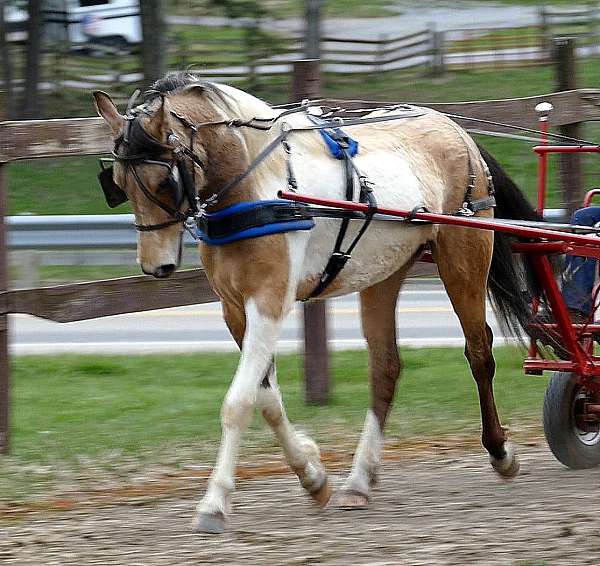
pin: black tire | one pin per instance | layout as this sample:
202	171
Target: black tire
572	446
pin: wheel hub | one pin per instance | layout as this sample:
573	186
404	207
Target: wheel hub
586	418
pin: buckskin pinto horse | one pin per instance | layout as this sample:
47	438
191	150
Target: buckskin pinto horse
190	139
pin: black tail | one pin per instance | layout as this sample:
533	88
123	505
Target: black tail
511	283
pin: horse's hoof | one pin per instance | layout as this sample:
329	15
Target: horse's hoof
349	500
507	467
211	523
322	495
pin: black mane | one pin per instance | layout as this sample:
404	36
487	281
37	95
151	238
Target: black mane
178	80
172	82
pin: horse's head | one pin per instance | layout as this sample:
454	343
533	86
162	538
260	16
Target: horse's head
160	164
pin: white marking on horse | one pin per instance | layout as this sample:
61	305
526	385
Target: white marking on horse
366	458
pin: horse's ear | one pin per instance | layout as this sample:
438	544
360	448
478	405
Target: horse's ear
158	124
107	109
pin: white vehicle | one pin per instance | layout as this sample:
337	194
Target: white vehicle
114	23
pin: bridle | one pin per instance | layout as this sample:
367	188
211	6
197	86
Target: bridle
180	177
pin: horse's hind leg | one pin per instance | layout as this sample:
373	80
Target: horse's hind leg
463	259
378	312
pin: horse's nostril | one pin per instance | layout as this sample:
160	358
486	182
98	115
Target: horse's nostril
164	270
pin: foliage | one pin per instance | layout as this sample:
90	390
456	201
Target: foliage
235	9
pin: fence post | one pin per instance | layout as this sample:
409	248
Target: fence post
306	84
593	23
438	62
250	32
4	362
570	175
545	32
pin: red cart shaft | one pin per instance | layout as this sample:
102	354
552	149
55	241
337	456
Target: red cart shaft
464	221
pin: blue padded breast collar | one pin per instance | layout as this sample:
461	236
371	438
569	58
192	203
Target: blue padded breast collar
246	220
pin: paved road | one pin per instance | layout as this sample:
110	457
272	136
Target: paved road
411	17
425	317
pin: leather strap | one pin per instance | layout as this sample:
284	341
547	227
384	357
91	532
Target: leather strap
224	226
339	258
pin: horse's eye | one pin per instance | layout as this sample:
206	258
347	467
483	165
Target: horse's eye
167	185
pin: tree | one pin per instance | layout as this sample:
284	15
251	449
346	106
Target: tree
312	35
7	72
31	96
154	44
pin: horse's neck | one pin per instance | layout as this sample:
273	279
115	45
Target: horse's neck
249	107
271	175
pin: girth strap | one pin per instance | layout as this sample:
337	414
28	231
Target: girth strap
339	258
221	225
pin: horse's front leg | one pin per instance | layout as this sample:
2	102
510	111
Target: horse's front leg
301	452
259	343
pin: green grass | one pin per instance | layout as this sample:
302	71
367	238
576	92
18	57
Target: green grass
503	38
110	410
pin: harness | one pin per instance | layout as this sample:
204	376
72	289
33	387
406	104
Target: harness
259	218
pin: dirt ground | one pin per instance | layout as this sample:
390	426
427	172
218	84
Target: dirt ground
436	508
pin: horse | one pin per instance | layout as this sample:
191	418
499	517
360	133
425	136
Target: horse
190	140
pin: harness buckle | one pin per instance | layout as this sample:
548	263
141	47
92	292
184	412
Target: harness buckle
464	210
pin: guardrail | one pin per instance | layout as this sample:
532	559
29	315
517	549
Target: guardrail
92	232
103	240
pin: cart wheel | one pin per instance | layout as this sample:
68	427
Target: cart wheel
574	442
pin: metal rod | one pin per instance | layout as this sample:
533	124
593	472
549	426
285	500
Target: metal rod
466	222
566	149
543	165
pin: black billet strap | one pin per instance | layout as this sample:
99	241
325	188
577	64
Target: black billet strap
338	258
482	204
222	227
160	226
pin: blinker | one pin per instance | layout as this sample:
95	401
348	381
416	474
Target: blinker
112	192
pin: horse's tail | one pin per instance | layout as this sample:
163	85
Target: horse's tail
511	282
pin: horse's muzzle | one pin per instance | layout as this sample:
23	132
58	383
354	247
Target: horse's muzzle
162	271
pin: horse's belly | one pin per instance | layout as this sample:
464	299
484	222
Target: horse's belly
386	246
384	249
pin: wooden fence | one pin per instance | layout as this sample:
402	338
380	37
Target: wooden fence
250	57
582	23
86	136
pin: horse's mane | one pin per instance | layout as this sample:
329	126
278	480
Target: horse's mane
233	102
139	142
177	81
